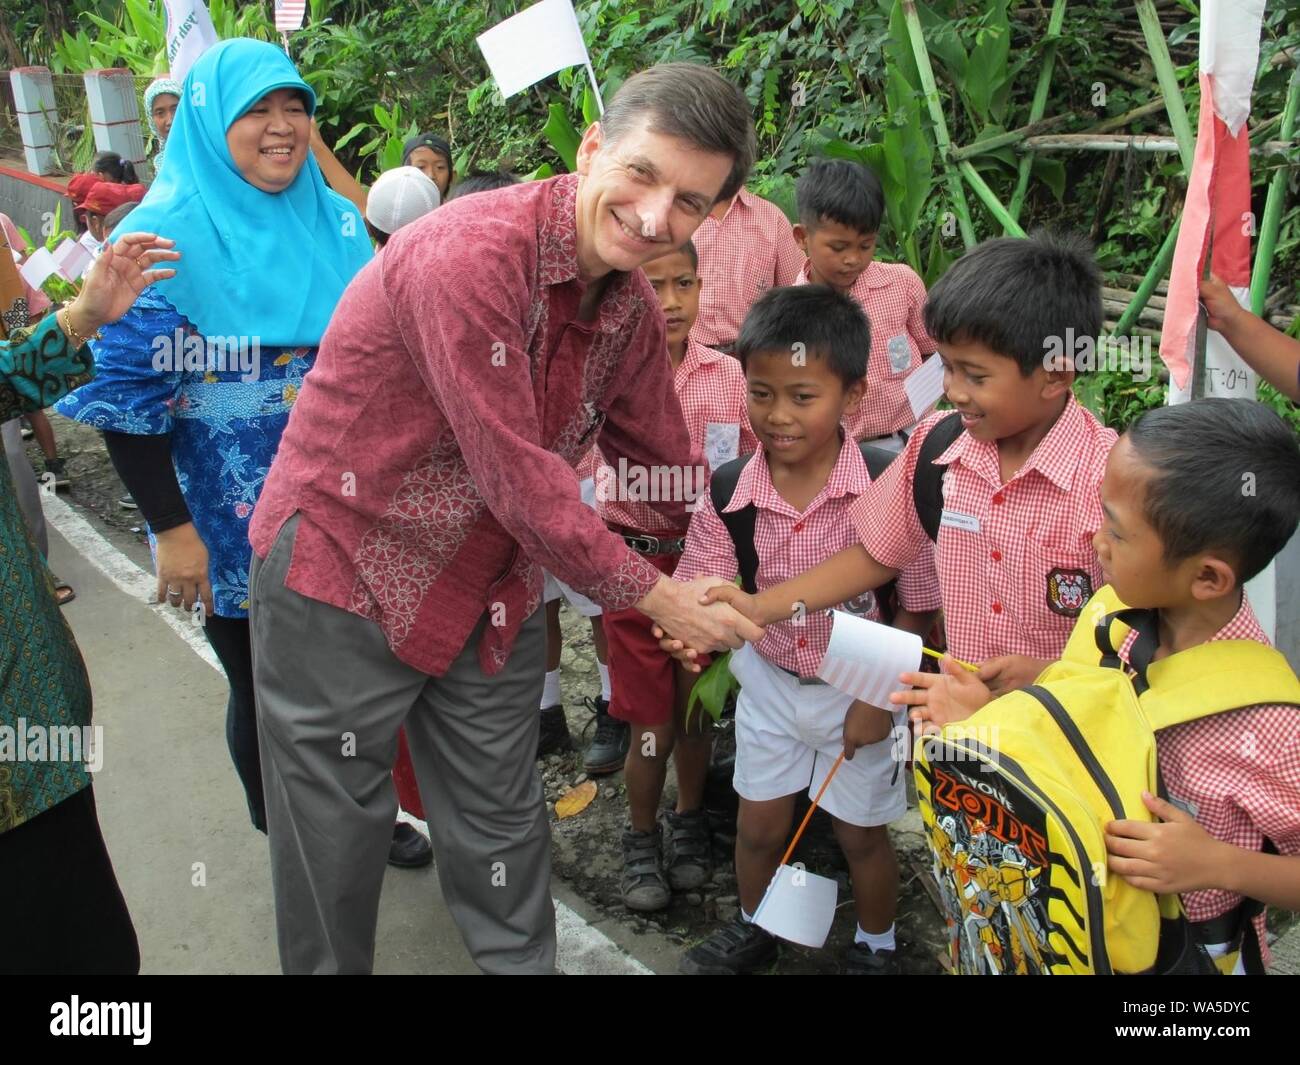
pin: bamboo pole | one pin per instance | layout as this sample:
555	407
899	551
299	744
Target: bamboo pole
1122	142
1158	48
1009	225
1120	121
1039	103
1273	205
1154	275
931	90
970	151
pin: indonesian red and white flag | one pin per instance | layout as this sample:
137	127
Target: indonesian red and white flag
288	15
1216	214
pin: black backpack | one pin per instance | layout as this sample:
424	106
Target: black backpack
927	497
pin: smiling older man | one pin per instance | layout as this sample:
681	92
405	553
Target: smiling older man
426	476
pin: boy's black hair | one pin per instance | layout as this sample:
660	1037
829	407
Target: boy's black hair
1014	295
115	168
481	181
826	323
376	234
1226	477
840	191
116	215
688	249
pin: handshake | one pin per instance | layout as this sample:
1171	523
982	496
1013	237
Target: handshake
696	617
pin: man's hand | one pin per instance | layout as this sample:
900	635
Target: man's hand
1170	856
864	724
942	698
676	608
1010	672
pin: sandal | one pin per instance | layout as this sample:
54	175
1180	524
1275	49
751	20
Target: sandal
63	593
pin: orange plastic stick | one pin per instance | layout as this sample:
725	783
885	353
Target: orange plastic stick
808	816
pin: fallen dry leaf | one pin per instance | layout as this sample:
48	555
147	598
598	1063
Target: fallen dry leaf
575	800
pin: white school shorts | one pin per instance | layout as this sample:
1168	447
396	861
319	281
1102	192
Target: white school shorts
788	736
555	588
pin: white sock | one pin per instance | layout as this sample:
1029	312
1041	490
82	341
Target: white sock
551	690
745	917
606	692
877	941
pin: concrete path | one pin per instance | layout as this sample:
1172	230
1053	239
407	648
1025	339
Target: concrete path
194	872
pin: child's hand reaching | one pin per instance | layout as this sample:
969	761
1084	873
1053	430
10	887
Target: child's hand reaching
864	724
1009	672
1221	306
940	699
1170	856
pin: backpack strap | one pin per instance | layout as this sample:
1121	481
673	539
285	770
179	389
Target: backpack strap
1212	678
927	482
740	523
1145	624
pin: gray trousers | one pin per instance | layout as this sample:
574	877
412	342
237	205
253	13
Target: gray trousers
330	698
26	486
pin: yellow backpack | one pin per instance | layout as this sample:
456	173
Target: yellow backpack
1015	800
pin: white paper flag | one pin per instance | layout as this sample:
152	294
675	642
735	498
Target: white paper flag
864	658
73	259
39	265
189	34
799	906
924	386
532	45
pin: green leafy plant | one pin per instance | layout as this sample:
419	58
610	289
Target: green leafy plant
714	689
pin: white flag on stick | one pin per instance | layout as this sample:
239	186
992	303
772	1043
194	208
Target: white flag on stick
189	34
288	15
534	44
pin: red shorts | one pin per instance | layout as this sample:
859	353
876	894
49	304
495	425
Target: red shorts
642	677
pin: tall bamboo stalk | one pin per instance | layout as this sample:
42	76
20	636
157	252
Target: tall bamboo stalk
1039	103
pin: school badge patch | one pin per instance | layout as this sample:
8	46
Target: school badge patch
1067	591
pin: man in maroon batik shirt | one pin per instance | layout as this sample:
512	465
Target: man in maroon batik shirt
424	480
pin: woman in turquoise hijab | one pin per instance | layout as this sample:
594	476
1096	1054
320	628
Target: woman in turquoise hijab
196	382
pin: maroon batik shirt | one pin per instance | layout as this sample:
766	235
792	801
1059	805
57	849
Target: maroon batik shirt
431	450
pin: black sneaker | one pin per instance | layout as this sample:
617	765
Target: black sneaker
690	849
127	502
736	948
861	960
553	737
56	468
409	849
609	747
643	886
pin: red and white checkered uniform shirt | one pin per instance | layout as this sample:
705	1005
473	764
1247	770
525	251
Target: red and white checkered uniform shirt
893	296
788	542
711	389
751	250
1237	773
1016	562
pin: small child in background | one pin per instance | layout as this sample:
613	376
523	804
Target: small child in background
841	205
650	690
1271	354
746	246
481	181
804	352
397	198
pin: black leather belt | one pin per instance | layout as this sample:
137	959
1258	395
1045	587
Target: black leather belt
799	676
653	545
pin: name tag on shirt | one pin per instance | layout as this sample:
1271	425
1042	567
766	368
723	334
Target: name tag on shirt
955	520
900	354
721	443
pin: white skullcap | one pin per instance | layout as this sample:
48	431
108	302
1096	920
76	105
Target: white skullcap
399	196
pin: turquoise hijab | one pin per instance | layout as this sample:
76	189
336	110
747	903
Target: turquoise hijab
257	264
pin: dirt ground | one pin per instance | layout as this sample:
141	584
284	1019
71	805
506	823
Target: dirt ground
586	847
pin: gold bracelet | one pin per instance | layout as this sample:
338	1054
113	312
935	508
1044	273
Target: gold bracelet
77	339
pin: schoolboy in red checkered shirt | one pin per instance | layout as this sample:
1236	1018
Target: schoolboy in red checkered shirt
804	352
841	206
1014	551
646	719
1179	540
